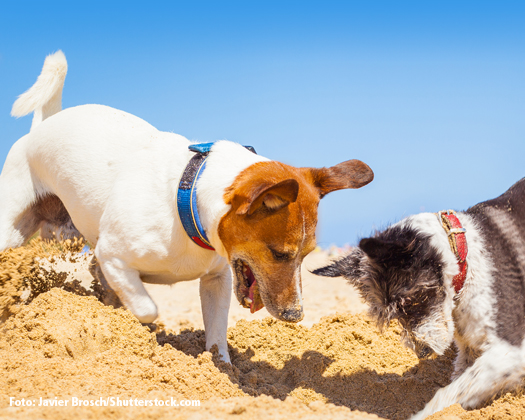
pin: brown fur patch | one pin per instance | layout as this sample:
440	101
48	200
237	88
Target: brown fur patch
272	221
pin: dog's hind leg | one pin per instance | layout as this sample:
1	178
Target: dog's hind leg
498	369
15	231
215	294
23	211
18	217
47	213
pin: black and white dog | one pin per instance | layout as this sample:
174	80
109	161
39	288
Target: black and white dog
419	272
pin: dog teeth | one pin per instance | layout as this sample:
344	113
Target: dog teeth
248	300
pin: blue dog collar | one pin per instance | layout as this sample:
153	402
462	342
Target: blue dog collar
187	194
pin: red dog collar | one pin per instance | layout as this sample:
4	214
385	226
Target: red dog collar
458	244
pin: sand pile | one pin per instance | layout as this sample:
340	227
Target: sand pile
22	278
64	345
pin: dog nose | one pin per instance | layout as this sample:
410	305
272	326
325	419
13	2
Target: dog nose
424	352
292	315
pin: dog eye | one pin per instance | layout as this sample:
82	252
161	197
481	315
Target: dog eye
280	256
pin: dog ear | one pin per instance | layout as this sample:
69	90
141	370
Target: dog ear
378	249
350	174
392	253
348	267
274	197
332	270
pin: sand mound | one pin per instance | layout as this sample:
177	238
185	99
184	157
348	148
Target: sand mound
61	345
22	278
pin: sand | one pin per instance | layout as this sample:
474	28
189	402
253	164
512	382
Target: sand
59	341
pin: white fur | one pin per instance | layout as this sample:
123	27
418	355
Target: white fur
474	313
118	178
485	364
499	367
436	331
44	98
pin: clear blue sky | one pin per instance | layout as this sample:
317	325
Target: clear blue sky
430	94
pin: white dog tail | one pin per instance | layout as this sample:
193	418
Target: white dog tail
44	98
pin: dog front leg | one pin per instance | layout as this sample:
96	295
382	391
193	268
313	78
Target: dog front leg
216	294
464	359
498	369
107	294
128	286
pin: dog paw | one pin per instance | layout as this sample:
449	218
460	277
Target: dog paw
146	315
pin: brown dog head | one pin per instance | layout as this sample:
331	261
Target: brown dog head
270	228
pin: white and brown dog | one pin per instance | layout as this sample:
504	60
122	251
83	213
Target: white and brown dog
155	215
452	277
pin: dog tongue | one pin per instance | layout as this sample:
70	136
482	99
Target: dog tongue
254	295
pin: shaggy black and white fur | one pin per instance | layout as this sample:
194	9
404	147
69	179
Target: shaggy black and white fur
406	271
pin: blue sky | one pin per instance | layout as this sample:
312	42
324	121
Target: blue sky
430	94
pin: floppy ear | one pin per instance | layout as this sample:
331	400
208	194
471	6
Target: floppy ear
274	197
350	174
